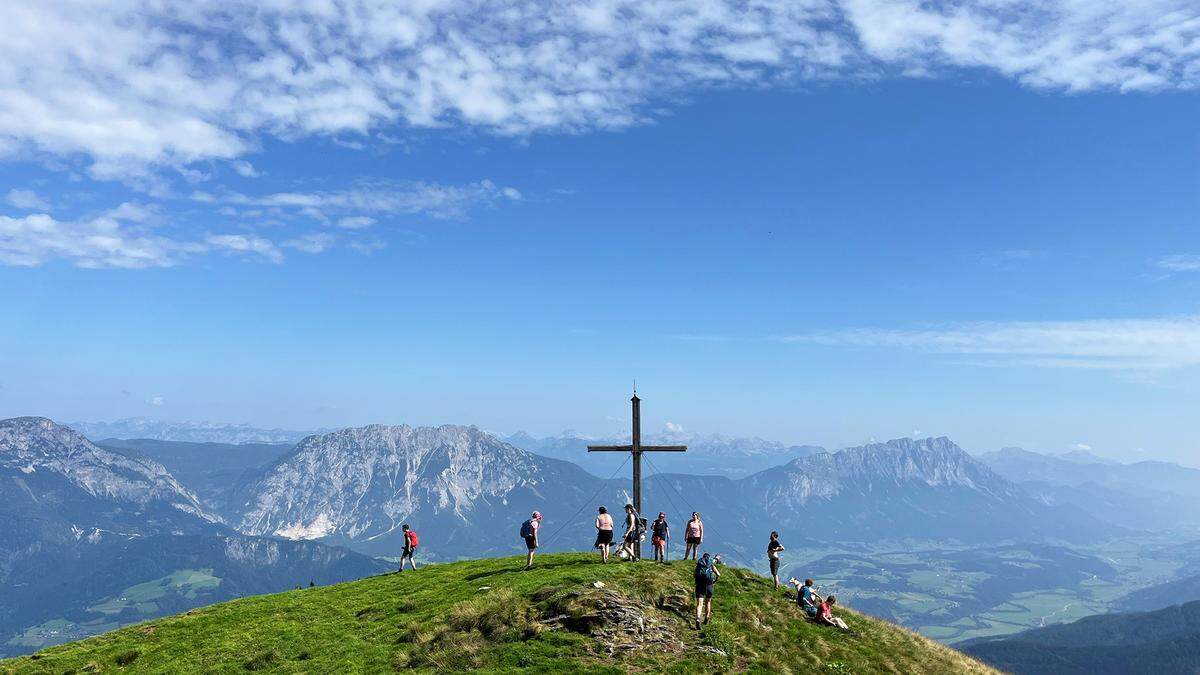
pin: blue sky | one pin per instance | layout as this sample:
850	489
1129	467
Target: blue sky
781	228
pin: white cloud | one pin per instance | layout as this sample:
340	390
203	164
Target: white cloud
101	241
246	243
127	236
138	83
158	401
673	428
1179	263
26	199
1116	344
1083	446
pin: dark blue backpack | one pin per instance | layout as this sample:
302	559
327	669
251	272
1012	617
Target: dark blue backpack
704	571
527	529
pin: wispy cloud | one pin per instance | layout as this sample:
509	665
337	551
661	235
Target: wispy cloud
379	197
1114	344
138	83
312	242
26	199
1179	263
246	244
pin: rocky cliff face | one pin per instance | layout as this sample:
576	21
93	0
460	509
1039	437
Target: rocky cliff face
32	448
360	485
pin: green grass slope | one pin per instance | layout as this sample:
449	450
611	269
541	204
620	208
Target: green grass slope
490	615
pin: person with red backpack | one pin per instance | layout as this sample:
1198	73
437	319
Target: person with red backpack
411	541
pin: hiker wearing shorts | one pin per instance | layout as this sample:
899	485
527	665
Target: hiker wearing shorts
660	534
410	547
825	614
773	550
604	533
706	576
693	535
529	532
632	533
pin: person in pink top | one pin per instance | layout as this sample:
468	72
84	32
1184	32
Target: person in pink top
604	533
825	614
529	531
693	535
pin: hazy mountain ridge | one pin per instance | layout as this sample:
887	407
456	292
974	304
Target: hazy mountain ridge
1163	641
192	432
707	453
1142	495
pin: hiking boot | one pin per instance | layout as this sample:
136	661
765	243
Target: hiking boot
697	624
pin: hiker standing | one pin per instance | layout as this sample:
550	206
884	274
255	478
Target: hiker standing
773	550
706	575
693	536
529	532
631	532
604	533
661	533
411	540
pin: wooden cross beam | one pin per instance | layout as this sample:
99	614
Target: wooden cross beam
636	449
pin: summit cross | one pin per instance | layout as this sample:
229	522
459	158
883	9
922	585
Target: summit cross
636	449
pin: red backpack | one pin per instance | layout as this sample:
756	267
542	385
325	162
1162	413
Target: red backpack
413	540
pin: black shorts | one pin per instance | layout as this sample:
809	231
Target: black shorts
603	537
407	552
531	543
694	540
630	538
704	589
774	566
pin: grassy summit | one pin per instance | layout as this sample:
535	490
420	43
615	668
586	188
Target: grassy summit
488	614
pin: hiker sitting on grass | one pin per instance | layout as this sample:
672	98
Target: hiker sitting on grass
806	597
825	614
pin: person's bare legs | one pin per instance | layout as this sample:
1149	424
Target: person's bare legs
529	559
700	611
604	553
707	609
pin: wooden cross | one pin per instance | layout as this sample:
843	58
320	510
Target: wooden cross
637	449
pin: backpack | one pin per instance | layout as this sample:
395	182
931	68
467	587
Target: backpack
704	571
641	525
527	529
413	539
